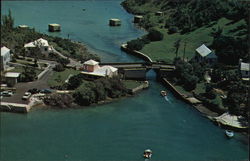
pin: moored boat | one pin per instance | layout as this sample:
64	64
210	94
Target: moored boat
163	93
147	154
229	133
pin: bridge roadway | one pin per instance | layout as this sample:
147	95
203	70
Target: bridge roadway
147	65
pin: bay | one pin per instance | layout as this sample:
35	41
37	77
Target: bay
121	130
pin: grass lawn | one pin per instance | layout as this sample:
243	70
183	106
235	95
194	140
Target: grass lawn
181	90
20	69
218	101
200	88
130	84
164	50
58	78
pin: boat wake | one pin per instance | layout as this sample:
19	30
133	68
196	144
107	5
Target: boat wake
166	98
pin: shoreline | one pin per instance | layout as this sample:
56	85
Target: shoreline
204	110
131	92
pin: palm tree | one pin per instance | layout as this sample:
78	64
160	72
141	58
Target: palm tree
177	45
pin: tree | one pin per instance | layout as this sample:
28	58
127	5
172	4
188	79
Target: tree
75	81
155	35
59	68
177	45
8	21
135	44
59	100
84	94
28	74
216	33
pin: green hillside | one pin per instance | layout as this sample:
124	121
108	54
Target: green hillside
193	22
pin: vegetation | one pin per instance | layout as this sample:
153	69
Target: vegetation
130	84
187	24
59	100
93	91
58	78
28	74
191	21
154	35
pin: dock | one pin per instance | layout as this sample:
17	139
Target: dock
14	107
19	107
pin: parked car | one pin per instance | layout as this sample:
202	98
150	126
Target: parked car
34	91
26	95
6	93
46	91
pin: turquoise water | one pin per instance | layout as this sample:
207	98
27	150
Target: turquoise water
116	131
89	26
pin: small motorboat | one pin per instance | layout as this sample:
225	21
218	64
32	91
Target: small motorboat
229	133
147	154
163	93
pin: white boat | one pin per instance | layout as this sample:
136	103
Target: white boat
163	93
229	133
147	154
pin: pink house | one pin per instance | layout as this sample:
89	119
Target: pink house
90	65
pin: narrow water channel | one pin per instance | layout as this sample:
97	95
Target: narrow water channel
116	131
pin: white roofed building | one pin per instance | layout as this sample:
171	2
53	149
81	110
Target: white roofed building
11	78
244	70
41	43
204	54
5	58
92	69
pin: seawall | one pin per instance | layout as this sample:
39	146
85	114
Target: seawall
136	53
14	107
190	100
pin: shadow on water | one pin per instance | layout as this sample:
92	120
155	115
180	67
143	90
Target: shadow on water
151	75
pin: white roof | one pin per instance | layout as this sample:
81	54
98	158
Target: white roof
30	45
245	66
102	71
12	74
203	50
54	24
23	26
138	16
4	50
115	19
38	42
91	62
108	68
41	42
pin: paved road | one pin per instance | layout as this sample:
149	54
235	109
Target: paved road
73	62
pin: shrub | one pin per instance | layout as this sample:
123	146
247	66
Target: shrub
210	95
145	39
185	29
135	44
59	68
155	35
63	61
172	30
59	100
